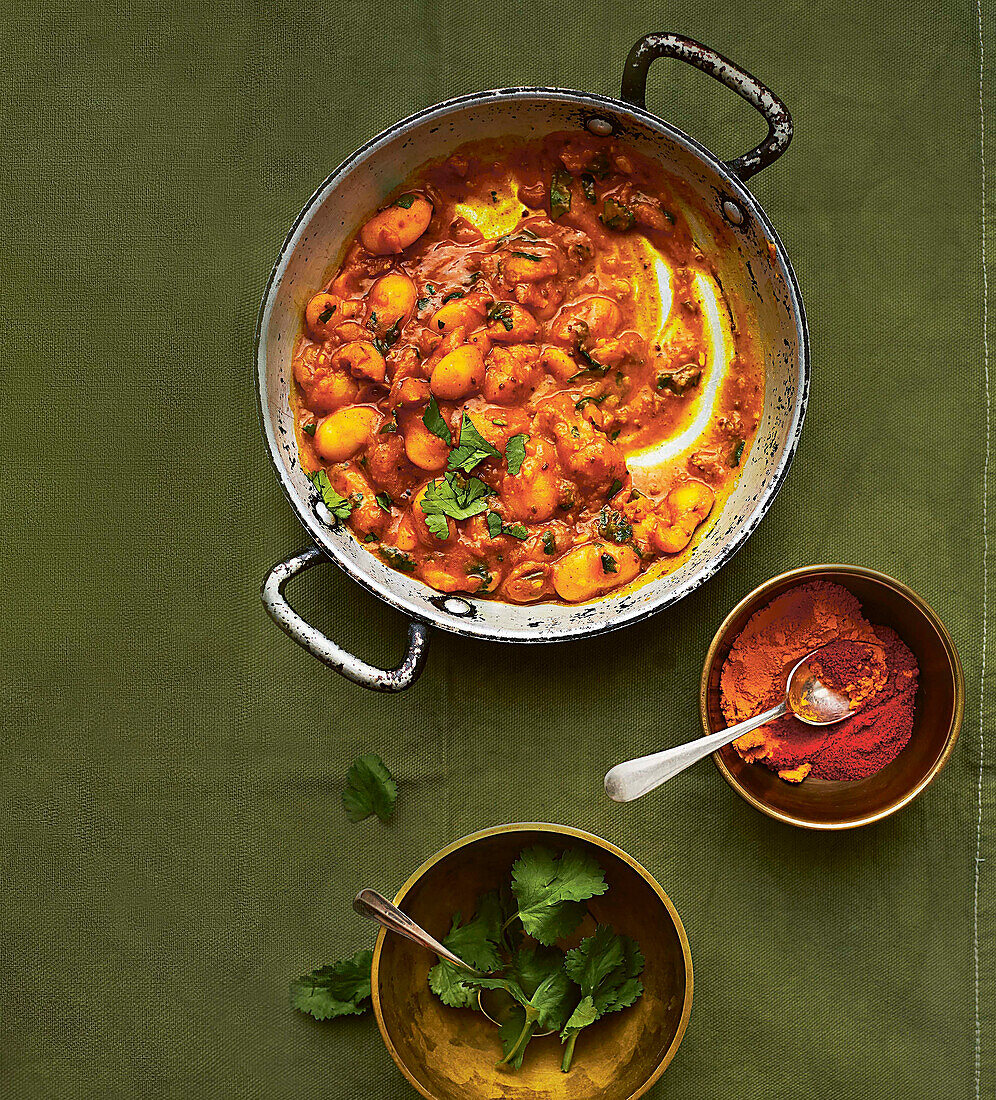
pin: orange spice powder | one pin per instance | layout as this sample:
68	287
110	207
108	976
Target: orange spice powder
773	641
855	670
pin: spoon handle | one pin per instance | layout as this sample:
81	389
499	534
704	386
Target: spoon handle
375	907
635	778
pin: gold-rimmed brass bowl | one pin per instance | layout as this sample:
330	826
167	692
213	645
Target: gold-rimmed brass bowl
940	704
451	1054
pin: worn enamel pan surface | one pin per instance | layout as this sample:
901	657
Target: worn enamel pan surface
750	263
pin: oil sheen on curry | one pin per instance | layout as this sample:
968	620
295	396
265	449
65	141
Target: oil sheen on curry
523	383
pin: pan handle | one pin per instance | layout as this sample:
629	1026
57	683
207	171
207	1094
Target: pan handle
315	642
652	46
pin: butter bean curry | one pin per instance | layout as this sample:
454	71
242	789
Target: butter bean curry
522	382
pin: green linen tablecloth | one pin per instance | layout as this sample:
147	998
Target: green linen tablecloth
173	844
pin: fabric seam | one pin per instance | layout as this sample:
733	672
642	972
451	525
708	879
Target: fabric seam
985	552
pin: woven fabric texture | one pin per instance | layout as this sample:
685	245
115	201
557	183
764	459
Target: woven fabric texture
174	848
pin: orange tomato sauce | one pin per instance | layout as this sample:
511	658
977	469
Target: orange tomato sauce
523	318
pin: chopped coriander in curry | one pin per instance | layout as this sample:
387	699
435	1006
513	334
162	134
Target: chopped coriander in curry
522	381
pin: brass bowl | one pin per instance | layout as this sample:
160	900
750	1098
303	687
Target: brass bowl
940	704
450	1053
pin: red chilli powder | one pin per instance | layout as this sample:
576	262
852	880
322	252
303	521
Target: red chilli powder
881	673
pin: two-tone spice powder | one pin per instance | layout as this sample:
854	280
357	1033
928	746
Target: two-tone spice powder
871	665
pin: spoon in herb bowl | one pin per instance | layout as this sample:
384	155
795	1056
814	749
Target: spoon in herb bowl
806	696
375	907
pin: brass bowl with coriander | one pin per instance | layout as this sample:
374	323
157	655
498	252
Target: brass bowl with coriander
452	1053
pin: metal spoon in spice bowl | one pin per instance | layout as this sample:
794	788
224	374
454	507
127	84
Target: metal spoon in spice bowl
809	699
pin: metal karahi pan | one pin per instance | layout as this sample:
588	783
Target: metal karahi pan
746	256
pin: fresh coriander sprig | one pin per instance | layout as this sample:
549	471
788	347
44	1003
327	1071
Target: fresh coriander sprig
453	497
472	449
476	942
341	989
515	453
548	1007
370	789
607	967
545	988
432	418
550	890
341	507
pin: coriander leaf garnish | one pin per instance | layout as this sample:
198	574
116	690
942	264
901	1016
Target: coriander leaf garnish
438	526
370	789
405	201
609	564
398	558
384	343
588	186
551	888
454	497
612	524
341	989
616	216
549	543
607	968
593	365
482	571
326	315
433	420
339	506
527	256
310	429
473	448
476	942
560	193
737	453
681	380
496	527
599	165
515	453
502	313
384	502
